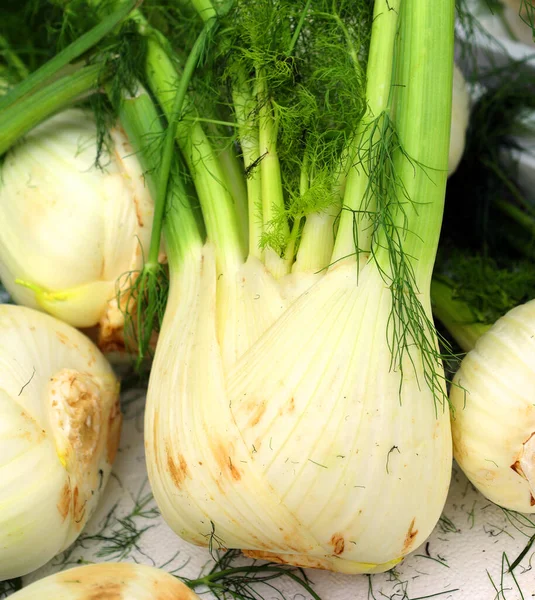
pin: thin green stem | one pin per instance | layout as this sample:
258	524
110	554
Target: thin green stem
12	58
205	8
358	227
517	214
66	56
205	169
226	574
456	315
28	112
170	135
244	109
143	294
510	185
422	120
270	174
298	28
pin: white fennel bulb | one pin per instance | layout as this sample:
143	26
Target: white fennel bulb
113	581
303	448
59	434
460	116
70	230
296	407
494	420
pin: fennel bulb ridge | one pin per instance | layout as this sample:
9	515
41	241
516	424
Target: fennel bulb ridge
276	423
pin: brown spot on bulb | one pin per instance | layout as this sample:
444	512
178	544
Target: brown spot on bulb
257	412
338	544
518	469
178	469
223	455
410	537
64	504
115	421
106	591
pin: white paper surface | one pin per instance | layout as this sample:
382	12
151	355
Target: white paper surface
462	560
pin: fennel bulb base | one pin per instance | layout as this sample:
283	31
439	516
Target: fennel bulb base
327	563
305	444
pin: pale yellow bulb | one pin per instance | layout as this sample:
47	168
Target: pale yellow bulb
108	581
70	229
494	420
59	433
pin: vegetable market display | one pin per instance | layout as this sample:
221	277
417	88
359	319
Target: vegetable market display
296	155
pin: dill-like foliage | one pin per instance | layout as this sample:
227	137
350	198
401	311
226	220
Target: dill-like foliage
490	288
247	581
305	64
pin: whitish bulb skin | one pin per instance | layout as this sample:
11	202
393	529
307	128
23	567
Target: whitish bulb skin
59	432
108	581
284	432
494	420
69	229
460	115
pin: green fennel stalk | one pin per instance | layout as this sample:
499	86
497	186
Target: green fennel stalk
398	140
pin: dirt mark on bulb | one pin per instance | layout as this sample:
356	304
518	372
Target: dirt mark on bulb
64	504
338	543
110	591
410	537
177	469
115	422
223	456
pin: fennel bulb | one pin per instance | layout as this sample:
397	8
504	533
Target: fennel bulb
117	581
70	230
296	404
493	425
460	115
59	434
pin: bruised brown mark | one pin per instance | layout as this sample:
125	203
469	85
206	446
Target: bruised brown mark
298	560
78	508
138	211
223	457
115	422
258	413
531	500
287	408
178	470
518	469
409	538
337	542
109	591
62	338
64	504
98	581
